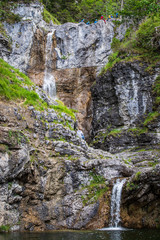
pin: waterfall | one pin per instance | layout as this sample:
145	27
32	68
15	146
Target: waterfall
116	203
49	85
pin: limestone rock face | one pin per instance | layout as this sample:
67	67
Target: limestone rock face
83	45
122	98
22	34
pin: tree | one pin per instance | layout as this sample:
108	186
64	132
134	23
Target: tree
138	9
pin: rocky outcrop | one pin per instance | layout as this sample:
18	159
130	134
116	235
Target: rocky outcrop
141	200
50	178
122	98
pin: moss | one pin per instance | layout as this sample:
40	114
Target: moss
137	176
16	137
137	131
131	186
127	161
10	185
47	17
153	163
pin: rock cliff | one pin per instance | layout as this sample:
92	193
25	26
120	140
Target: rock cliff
122	99
49	177
74	47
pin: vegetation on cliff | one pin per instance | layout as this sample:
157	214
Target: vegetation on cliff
142	44
74	11
15	85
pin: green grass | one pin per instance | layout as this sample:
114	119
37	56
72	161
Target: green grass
115	132
151	117
47	17
139	45
62	108
112	60
13	86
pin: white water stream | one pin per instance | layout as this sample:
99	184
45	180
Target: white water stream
116	203
49	85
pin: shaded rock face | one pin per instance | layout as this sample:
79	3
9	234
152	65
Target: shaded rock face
141	200
121	100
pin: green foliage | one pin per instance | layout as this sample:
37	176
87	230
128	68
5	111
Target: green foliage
127	161
62	108
146	36
75	11
96	189
5	228
137	176
153	164
138	9
115	132
6	14
151	117
137	131
142	45
156	91
115	44
131	186
112	60
15	85
9	185
47	17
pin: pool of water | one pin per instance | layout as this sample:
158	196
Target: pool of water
103	234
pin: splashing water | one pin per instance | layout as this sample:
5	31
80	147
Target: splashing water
116	203
49	85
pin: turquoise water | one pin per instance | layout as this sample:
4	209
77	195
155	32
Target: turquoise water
86	235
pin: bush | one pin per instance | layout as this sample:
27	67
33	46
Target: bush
146	34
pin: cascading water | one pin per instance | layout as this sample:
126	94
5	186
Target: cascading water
116	203
49	85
